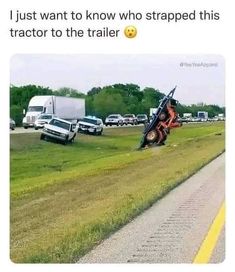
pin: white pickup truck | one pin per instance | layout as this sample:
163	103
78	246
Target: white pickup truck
59	130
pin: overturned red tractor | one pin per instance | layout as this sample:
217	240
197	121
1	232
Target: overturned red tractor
163	120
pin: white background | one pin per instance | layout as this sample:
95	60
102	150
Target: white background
153	38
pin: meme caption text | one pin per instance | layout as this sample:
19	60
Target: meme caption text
20	22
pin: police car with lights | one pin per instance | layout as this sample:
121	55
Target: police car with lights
91	125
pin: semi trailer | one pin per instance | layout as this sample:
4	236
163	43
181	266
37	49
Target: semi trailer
67	108
202	115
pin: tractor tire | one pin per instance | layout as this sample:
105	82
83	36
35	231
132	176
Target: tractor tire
152	136
162	116
164	137
161	137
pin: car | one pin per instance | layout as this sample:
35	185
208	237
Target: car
184	119
215	118
142	118
59	130
130	119
12	124
90	124
42	120
195	119
114	119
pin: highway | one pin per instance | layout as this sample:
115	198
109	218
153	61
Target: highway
186	226
20	130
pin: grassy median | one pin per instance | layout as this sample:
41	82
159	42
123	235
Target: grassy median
66	199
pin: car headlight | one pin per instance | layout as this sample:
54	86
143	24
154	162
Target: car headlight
63	135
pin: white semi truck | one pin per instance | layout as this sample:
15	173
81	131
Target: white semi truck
67	108
152	111
202	115
187	115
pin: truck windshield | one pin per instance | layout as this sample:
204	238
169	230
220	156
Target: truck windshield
35	108
60	124
89	120
45	117
201	115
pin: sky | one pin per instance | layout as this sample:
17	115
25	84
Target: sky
199	78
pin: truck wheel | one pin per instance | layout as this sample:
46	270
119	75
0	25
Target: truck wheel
100	132
25	127
72	140
65	141
36	128
42	137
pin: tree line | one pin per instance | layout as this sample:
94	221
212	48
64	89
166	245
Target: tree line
102	101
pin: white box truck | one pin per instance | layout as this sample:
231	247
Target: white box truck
187	115
152	111
202	115
221	117
68	108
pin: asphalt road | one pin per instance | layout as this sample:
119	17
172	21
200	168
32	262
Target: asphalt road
172	230
20	130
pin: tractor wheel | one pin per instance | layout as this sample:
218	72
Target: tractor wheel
160	136
162	116
164	136
152	136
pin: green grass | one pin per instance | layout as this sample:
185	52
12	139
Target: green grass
66	199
